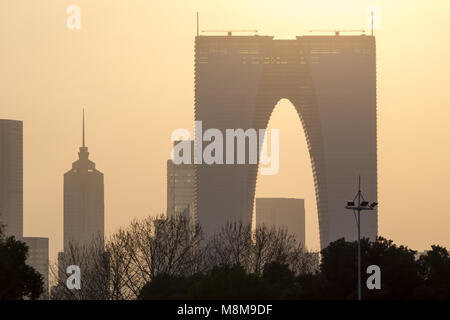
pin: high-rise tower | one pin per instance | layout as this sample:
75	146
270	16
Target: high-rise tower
330	80
181	188
83	200
11	177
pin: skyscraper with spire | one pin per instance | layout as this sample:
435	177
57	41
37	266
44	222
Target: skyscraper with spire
83	200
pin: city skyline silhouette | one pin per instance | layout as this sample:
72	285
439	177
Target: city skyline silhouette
110	67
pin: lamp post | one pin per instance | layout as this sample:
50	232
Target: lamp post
362	204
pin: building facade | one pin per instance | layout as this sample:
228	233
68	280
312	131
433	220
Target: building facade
285	213
38	259
330	80
11	176
181	188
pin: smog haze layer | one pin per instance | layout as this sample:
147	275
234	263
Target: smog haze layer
131	66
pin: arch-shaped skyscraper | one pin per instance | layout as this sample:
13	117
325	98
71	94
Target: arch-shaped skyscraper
331	81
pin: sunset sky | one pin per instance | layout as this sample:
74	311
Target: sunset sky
131	66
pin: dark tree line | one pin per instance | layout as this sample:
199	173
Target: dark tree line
158	258
130	258
175	247
403	276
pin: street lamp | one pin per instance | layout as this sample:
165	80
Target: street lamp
362	204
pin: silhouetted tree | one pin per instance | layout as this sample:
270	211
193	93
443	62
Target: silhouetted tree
122	277
229	283
17	279
166	287
221	282
239	264
400	277
224	282
281	280
237	245
434	268
231	246
151	247
338	271
93	261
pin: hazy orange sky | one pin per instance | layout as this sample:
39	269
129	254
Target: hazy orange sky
132	67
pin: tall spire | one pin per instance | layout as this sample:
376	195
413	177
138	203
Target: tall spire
84	145
83	154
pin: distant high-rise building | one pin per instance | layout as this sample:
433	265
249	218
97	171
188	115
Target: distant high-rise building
330	80
286	213
180	188
83	200
11	196
11	177
38	258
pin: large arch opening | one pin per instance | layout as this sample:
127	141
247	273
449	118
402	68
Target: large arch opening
295	175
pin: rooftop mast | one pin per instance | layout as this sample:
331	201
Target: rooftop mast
83	131
371	20
197	25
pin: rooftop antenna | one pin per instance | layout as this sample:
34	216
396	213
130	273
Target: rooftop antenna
338	32
83	131
230	32
197	24
371	20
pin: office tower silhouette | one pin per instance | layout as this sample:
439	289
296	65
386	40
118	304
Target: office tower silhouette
11	197
181	188
11	177
330	80
83	200
38	259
